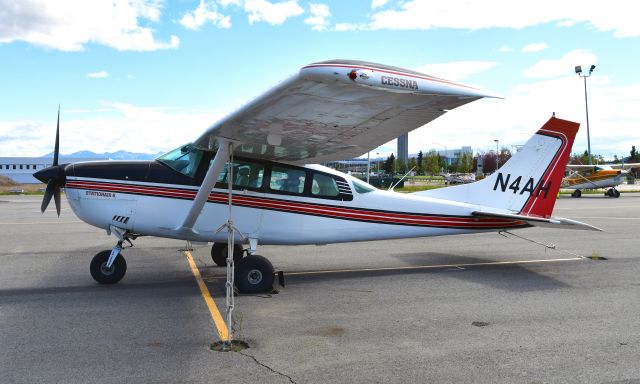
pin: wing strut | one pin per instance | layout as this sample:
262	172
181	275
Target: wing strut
205	189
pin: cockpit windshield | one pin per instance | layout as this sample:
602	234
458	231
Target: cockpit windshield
184	159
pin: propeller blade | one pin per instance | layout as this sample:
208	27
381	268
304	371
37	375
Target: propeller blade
56	198
48	194
56	149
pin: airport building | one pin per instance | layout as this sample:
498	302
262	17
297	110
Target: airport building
21	169
451	155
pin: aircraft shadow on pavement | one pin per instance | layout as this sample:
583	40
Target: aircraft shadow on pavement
509	277
150	288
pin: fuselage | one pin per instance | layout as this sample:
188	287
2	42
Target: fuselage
275	203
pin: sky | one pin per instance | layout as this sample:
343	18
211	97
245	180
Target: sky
150	75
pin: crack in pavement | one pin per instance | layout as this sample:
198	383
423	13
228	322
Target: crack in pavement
267	367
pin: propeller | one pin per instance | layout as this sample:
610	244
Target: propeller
54	175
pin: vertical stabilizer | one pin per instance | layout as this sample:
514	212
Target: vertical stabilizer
528	183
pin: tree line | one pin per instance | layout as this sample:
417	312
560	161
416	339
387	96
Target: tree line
431	163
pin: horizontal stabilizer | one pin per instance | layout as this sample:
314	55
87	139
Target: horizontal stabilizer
539	221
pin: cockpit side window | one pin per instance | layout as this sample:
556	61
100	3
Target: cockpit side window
246	175
324	185
184	159
285	179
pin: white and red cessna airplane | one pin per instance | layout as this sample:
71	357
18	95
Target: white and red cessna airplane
328	111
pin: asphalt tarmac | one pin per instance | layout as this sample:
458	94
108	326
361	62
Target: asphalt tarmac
480	308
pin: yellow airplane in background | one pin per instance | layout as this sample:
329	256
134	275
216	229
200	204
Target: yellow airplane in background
596	176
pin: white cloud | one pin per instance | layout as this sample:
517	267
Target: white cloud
535	47
526	107
506	48
343	27
271	13
207	11
319	15
119	126
562	66
463	14
378	3
458	70
98	75
69	25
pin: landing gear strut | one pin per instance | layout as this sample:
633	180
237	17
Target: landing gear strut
612	192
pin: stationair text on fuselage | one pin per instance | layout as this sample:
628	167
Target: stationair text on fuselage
404	83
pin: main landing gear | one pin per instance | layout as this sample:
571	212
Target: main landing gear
252	273
612	192
219	253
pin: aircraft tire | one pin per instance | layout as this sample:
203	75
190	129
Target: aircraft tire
254	274
101	274
576	193
219	253
615	192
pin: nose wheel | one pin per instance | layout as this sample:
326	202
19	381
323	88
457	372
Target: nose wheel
105	274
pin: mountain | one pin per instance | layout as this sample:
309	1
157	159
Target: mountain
118	155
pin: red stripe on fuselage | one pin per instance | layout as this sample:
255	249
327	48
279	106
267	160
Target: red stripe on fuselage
329	211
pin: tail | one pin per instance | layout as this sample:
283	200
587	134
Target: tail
525	187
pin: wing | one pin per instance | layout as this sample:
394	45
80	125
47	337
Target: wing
625	166
336	110
580	167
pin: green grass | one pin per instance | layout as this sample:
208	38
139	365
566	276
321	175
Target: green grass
417	188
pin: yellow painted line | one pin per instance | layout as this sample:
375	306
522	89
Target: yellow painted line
221	327
436	266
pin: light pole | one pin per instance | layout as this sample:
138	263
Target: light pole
368	166
586	104
378	164
497	155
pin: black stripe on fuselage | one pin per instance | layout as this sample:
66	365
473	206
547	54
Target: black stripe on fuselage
166	192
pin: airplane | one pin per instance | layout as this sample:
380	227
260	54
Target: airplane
595	177
458	178
329	110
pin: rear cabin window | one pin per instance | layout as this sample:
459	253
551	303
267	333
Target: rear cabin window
285	179
362	187
246	175
324	185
